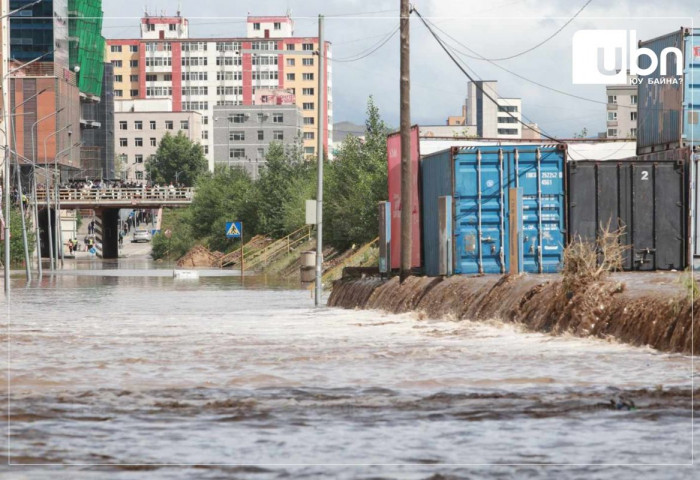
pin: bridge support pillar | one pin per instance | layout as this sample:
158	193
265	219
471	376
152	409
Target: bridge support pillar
107	232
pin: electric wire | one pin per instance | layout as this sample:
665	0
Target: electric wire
366	53
478	86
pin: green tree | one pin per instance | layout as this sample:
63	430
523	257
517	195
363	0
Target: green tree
227	195
355	183
285	182
16	244
178	159
177	222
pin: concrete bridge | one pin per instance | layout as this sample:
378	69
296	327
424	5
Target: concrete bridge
106	202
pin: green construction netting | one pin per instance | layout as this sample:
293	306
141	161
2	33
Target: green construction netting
86	46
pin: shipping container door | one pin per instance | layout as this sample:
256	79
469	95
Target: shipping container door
582	202
480	203
670	216
541	175
691	85
643	227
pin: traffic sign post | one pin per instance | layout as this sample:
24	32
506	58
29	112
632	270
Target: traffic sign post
235	230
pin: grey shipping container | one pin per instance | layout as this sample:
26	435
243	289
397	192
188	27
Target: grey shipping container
647	199
668	104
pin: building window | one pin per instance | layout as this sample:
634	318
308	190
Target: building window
277	118
123	125
134	92
169	125
237	118
307	62
633	116
138	158
309	150
173	27
307	91
151	27
205	134
236	153
118	93
116	49
123	142
308	106
612	98
278	26
237	136
612	132
612	116
154	142
133	48
307	76
184	125
307	47
261	153
117	79
308	120
139	175
633	99
205	120
633	132
138	142
278	135
117	63
290	47
151	78
507	131
133	63
261	135
206	149
507	108
507	120
290	61
308	135
256	26
291	77
152	124
168	77
138	125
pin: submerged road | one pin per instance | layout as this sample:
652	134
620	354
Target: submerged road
146	376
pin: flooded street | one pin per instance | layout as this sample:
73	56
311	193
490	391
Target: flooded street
127	372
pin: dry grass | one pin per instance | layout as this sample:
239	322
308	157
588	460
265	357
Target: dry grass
586	262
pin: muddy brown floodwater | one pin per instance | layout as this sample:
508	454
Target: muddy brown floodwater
130	373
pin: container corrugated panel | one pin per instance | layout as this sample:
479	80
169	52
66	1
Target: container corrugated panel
436	181
480	179
647	200
668	105
695	205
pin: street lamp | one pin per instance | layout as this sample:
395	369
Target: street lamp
48	201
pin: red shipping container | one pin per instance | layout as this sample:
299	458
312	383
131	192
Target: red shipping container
393	147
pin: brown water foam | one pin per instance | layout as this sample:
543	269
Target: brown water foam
653	312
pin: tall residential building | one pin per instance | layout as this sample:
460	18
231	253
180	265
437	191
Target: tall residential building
622	110
493	120
202	73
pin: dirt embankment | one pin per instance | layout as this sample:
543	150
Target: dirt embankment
639	309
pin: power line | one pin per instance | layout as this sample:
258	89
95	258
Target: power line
369	52
481	88
542	42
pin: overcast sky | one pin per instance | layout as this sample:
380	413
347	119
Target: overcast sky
494	29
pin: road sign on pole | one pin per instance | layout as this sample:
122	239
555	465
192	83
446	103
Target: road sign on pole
234	229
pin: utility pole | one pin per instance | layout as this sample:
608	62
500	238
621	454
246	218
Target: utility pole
406	167
319	152
4	72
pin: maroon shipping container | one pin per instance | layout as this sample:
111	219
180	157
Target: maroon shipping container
393	150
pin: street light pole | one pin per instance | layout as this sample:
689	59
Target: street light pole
320	152
48	201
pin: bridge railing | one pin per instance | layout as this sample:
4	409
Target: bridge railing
96	195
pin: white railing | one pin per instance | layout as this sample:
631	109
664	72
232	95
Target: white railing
98	195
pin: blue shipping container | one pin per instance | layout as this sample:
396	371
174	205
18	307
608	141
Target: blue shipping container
479	179
668	105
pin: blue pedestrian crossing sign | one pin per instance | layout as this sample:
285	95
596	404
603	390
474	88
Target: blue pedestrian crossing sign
233	229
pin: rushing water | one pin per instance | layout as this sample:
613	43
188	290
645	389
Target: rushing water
119	372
